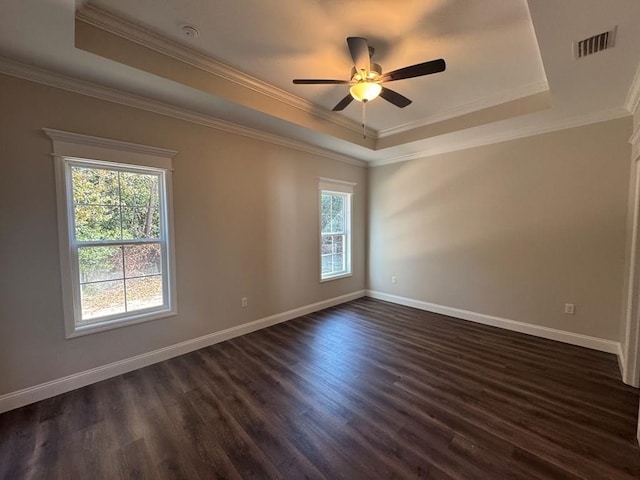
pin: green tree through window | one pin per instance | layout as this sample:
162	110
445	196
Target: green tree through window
117	231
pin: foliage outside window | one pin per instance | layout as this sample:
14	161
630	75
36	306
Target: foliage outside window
115	242
117	239
335	229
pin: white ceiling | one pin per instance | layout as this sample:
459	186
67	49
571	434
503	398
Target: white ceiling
496	51
489	46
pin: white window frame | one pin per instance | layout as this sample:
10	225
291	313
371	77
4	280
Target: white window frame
331	186
72	149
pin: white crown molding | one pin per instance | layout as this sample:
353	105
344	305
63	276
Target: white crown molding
470	107
63	82
27	72
595	343
55	387
137	33
506	135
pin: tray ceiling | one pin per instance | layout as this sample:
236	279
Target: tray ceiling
510	66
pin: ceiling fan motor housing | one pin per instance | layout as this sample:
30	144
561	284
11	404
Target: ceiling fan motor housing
375	71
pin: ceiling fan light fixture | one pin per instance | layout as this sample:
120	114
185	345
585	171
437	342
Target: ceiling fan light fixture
366	77
365	91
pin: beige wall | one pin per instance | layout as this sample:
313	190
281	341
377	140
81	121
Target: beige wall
246	224
514	230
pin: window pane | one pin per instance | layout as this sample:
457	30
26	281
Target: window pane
332	213
102	299
326	264
332	263
337	204
142	260
100	263
326	224
94	186
333	250
97	223
139	189
325	213
140	222
338	263
144	292
337	223
327	244
339	245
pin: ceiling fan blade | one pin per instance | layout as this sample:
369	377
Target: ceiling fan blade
342	104
394	97
359	50
426	68
319	81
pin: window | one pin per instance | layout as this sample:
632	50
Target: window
115	232
335	229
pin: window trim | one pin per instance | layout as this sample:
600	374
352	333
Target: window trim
344	188
71	148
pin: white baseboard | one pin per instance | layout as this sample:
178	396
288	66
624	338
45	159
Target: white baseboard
42	391
594	343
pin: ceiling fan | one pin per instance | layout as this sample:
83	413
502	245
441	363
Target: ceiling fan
367	77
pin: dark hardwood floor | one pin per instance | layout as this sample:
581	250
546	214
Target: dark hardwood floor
365	390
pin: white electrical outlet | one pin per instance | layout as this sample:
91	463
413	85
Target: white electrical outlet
394	279
244	302
569	308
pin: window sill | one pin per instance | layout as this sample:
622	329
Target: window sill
79	331
336	277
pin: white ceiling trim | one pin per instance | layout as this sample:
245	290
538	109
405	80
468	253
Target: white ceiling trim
479	141
45	77
149	39
27	72
470	107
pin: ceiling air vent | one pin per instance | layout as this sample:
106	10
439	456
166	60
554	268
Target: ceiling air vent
595	44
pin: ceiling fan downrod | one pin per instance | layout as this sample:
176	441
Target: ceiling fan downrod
364	113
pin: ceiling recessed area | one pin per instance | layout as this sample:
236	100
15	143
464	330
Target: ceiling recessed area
510	68
276	41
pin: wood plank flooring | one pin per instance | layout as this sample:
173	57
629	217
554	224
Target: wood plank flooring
365	390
